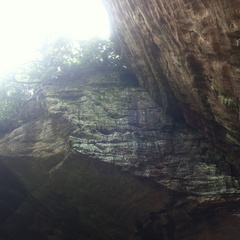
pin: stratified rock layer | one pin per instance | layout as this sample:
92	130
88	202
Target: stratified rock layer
189	51
101	160
103	118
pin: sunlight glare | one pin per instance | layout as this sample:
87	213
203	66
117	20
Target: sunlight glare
26	24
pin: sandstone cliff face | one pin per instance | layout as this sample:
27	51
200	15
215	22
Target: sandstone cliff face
187	53
99	159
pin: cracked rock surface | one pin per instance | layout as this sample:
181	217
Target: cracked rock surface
101	160
186	53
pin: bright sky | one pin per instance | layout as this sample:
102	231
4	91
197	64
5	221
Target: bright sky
26	24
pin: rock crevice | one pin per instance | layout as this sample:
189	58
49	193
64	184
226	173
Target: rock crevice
186	54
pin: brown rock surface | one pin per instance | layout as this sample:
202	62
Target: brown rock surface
62	178
187	53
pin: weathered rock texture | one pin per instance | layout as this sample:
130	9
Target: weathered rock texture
187	53
62	170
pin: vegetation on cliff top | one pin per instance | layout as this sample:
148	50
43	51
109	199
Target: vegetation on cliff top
61	60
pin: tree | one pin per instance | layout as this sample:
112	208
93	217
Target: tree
68	59
59	60
12	97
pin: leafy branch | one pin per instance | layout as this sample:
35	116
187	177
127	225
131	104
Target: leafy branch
60	60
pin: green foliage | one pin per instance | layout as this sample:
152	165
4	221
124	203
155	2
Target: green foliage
12	97
231	104
59	60
65	59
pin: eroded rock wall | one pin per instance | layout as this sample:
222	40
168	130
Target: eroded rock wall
105	118
101	160
189	51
